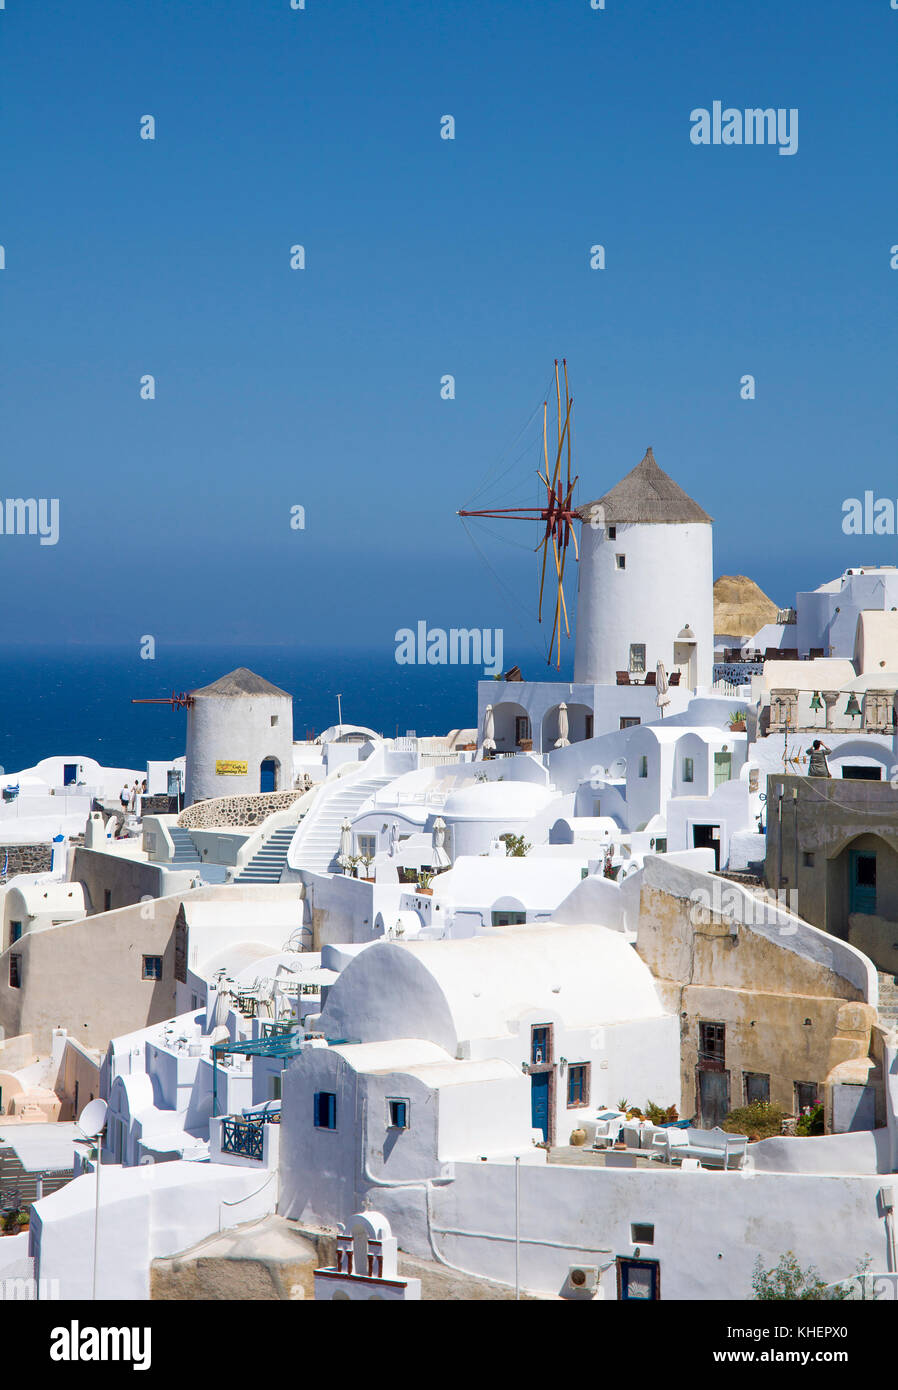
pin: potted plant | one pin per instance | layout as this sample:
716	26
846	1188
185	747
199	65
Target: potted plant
737	721
366	860
425	877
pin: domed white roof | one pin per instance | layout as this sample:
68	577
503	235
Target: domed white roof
496	801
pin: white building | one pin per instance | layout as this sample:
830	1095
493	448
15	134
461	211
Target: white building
531	1029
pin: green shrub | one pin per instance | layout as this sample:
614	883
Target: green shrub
515	845
760	1120
810	1124
659	1114
787	1280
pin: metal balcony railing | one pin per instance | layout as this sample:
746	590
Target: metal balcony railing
281	1029
241	1137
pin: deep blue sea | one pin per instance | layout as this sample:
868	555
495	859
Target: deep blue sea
68	700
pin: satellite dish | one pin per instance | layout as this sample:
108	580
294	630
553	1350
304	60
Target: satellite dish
618	767
92	1118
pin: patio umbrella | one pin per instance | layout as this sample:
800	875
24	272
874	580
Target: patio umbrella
439	856
344	858
394	838
489	733
222	1007
661	686
562	741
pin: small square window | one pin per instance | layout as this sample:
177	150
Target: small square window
397	1114
629	721
620	562
274	1088
15	972
808	859
152	967
637	658
612	533
107	899
642	1233
756	1087
644	765
274	720
712	1042
325	1110
577	1085
688	770
15	931
541	1044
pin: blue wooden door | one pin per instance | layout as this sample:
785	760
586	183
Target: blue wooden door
539	1101
268	779
862	894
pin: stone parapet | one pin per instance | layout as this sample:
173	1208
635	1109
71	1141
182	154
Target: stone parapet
25	859
237	810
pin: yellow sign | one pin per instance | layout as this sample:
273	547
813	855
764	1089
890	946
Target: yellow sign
231	769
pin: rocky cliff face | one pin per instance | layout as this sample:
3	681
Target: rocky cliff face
740	607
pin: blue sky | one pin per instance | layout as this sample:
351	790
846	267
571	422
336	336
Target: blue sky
321	387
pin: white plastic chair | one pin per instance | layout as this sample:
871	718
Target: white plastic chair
607	1132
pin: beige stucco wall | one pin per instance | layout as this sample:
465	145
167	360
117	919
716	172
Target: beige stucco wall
77	1068
829	819
85	976
724	972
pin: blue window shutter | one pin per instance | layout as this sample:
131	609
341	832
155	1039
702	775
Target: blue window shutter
317	1109
332	1112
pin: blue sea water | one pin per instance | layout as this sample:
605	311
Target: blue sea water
68	700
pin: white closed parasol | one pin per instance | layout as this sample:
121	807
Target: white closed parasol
562	741
439	857
489	732
344	858
661	687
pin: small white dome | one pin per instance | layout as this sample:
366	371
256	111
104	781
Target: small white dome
499	801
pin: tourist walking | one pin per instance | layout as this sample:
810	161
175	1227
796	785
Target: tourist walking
817	767
124	796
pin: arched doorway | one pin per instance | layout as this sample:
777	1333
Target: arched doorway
579	720
269	775
862	896
511	727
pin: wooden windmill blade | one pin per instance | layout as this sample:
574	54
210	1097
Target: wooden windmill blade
557	514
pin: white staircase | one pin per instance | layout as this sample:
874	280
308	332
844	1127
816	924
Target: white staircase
318	843
267	864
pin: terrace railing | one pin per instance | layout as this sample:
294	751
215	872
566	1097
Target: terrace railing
241	1137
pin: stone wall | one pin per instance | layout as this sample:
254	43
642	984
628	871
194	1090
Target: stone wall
159	805
237	810
25	859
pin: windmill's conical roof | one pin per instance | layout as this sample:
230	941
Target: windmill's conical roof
239	683
647	494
